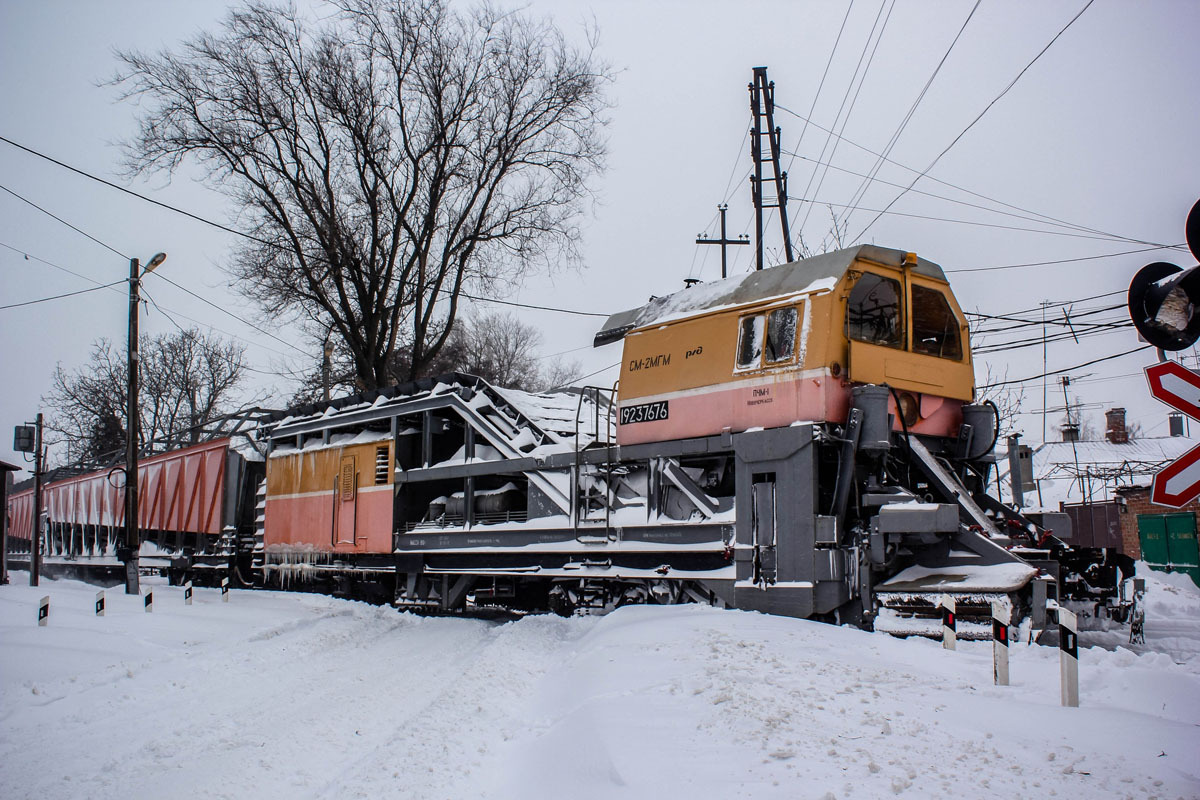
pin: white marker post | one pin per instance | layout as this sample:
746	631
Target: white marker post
187	593
949	634
999	643
44	612
149	601
100	604
224	590
1068	655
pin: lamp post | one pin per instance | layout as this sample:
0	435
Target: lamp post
129	552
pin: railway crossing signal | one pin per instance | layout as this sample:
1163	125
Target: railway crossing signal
1179	387
1164	299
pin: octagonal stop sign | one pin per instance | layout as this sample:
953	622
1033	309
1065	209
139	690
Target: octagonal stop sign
1179	387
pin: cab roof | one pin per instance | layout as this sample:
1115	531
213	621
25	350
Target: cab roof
797	277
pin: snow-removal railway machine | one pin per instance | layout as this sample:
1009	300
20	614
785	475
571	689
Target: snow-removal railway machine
800	440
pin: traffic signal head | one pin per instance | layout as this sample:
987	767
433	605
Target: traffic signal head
1164	304
1164	300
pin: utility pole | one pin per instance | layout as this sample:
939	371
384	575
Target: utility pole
129	552
762	104
39	463
1044	304
724	241
325	364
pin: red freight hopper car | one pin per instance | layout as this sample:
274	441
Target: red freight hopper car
190	501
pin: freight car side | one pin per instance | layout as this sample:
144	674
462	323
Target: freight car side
194	515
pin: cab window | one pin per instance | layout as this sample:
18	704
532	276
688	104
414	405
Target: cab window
781	335
767	339
750	341
873	311
935	329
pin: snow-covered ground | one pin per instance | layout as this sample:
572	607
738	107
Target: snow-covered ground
298	696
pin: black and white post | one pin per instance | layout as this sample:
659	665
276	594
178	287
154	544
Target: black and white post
44	612
100	604
224	590
149	601
1000	615
949	631
1068	654
187	593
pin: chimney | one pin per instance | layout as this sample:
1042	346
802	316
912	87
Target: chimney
1175	420
1116	432
1070	432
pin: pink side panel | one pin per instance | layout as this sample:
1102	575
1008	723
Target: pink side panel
817	399
309	521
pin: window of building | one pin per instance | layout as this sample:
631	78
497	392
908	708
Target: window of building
873	311
750	342
781	334
934	327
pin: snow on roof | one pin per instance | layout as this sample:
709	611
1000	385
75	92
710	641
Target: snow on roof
819	273
1075	472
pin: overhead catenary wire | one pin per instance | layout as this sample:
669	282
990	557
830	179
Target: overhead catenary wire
838	117
821	83
857	197
1028	217
948	184
1069	234
1065	260
980	116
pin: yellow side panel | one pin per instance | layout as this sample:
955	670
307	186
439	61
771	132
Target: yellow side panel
319	470
872	363
679	355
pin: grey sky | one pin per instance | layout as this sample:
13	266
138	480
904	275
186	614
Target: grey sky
1100	132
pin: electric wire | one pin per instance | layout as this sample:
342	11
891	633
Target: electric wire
881	212
535	307
32	257
1027	217
177	210
64	222
1063	260
231	362
821	84
850	110
585	377
159	275
973	122
1048	218
1064	369
845	96
60	296
138	195
857	197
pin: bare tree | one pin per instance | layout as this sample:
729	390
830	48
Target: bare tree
502	349
187	380
497	347
383	159
1009	399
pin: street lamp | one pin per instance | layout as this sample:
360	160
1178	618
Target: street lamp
129	553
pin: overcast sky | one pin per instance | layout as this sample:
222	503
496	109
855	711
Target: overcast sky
1099	132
